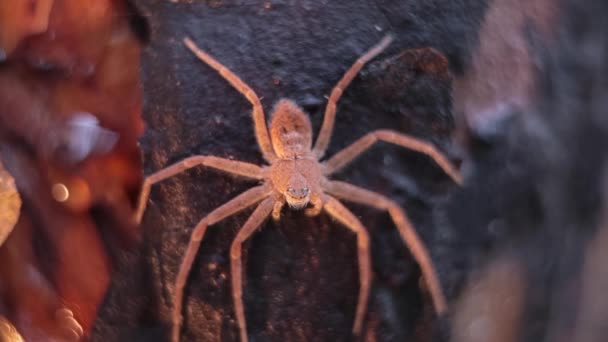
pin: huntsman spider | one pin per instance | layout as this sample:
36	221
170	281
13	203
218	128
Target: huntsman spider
296	176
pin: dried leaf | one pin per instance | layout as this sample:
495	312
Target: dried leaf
21	18
8	332
10	204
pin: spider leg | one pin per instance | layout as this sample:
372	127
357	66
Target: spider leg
337	210
261	131
253	223
240	202
231	166
356	194
330	111
347	155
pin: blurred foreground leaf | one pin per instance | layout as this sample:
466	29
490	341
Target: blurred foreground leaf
10	204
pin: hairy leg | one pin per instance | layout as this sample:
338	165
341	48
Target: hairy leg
330	111
259	120
337	210
253	223
242	201
355	194
231	166
347	155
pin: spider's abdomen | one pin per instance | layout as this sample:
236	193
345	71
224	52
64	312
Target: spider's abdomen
290	130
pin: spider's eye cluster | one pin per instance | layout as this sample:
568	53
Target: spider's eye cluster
298	193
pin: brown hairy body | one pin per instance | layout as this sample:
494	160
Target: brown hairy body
295	176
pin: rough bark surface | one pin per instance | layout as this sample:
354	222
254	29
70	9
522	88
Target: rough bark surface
518	249
301	274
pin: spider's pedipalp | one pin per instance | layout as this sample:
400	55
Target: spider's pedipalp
251	225
278	206
330	111
348	154
230	166
259	120
409	236
240	202
317	205
338	211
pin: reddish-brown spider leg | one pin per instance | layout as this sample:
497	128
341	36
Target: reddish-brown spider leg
356	194
253	223
351	152
230	166
337	210
240	202
330	111
259	120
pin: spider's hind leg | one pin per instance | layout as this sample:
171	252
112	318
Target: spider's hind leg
259	120
354	150
330	111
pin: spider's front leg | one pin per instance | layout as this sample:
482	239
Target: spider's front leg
338	211
236	268
240	202
230	166
411	239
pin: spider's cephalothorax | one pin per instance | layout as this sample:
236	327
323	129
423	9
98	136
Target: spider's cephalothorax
296	177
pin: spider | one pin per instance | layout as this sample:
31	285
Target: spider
295	176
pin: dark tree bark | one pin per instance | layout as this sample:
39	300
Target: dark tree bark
301	274
520	244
